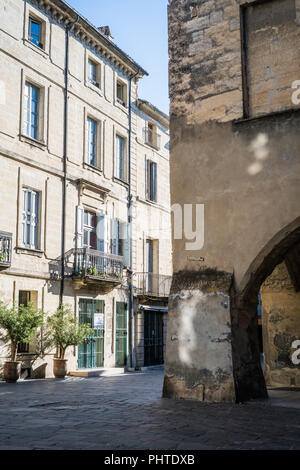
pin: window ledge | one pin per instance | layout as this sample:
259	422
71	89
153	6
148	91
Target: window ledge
152	203
94	88
123	108
92	167
122	182
35	48
29	251
31	141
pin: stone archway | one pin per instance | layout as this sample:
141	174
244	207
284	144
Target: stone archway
213	348
276	270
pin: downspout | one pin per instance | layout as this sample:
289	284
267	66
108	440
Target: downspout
65	145
130	217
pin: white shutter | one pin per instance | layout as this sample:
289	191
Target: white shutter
115	236
24	217
101	232
26	118
34	219
79	226
125	239
148	191
87	140
117	157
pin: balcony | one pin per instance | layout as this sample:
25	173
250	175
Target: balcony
5	249
152	285
152	138
96	269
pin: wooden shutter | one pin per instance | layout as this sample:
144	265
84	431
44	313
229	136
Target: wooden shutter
79	226
115	236
148	179
125	242
101	232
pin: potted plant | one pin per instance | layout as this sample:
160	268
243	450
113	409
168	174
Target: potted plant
93	271
20	324
66	331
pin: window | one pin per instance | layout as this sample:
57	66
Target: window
30	218
90	230
35	32
31	111
151	192
120	170
152	137
93	73
121	93
120	241
92	131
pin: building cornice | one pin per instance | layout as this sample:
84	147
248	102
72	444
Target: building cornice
61	12
153	112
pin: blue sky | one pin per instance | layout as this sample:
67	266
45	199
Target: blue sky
139	27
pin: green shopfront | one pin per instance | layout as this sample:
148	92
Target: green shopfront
91	355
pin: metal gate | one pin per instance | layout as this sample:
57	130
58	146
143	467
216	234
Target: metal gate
121	333
153	338
92	354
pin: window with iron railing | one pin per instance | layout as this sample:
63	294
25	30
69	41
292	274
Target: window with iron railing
5	249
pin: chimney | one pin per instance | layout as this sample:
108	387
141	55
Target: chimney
106	31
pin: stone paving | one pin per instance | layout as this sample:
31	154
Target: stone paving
126	412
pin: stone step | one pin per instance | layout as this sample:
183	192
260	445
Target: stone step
97	372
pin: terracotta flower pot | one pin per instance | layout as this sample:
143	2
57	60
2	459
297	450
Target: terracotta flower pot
60	368
11	371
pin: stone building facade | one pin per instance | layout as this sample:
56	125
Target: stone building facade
234	125
84	171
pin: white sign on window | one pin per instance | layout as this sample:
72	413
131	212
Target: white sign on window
99	320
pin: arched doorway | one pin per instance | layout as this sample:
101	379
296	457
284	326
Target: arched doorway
273	279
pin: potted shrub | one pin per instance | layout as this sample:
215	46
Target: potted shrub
66	331
20	324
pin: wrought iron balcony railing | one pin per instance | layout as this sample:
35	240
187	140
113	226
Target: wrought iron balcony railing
152	284
88	262
5	249
152	138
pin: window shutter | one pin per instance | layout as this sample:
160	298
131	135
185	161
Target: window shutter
115	236
34	218
102	232
153	181
87	141
26	129
79	226
148	179
125	240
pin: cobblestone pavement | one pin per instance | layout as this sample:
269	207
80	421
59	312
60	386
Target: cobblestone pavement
127	412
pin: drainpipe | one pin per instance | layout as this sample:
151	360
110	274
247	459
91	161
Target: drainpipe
130	216
65	144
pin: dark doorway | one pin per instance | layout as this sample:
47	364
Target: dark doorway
153	338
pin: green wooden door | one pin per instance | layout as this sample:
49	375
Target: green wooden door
121	333
92	355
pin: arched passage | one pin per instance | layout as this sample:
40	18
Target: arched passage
276	272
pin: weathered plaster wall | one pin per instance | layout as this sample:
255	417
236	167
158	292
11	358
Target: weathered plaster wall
244	171
281	327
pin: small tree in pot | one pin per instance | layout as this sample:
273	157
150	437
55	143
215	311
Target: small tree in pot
20	324
66	331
